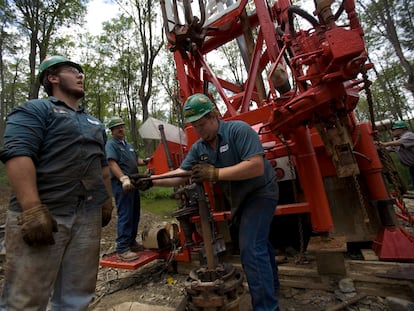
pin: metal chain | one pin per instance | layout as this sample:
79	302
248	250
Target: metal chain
301	258
362	201
386	159
390	172
290	163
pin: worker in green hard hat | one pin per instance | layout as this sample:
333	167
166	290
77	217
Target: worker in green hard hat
196	107
399	125
230	155
54	153
115	121
54	64
402	145
123	162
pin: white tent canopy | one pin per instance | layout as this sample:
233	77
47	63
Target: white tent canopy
150	130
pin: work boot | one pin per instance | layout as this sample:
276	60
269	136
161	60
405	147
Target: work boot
136	247
127	256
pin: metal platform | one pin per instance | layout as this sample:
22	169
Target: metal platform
146	256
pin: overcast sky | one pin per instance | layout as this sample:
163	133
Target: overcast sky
99	11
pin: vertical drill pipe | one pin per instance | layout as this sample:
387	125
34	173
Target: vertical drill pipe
205	226
165	145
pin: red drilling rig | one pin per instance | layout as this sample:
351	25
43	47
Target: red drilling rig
305	73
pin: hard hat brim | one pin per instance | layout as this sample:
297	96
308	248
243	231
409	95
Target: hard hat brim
195	118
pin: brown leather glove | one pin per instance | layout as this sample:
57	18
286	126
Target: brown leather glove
142	181
107	212
143	184
38	226
127	186
204	172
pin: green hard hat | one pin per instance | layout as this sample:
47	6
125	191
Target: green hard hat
399	125
115	121
55	60
197	106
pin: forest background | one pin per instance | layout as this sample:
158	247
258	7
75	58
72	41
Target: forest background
130	72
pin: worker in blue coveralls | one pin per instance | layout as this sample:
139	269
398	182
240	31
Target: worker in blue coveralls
231	155
54	154
124	162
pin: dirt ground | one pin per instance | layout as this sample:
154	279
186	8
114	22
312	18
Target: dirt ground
157	287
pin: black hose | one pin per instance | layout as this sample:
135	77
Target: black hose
340	11
297	10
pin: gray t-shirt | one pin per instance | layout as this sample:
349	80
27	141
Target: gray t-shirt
405	152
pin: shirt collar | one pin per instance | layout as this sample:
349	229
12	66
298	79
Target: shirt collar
61	103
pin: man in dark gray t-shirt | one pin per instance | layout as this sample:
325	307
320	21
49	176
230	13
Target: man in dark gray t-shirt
402	145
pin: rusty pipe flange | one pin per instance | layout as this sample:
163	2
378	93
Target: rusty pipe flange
222	271
218	289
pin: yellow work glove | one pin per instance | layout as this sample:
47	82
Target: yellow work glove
204	172
107	212
38	226
127	186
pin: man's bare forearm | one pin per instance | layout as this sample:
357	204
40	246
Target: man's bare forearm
21	173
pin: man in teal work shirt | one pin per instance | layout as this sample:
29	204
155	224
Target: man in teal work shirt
231	155
55	162
124	162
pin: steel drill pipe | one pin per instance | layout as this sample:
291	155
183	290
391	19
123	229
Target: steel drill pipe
145	177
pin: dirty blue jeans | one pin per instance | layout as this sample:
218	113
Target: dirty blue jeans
63	274
128	210
257	254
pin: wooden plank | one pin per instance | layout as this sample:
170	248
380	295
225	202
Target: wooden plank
363	273
330	263
306	285
369	255
373	267
327	244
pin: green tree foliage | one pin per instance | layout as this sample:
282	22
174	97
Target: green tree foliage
145	15
165	74
118	49
236	67
389	34
128	73
39	21
12	65
128	47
